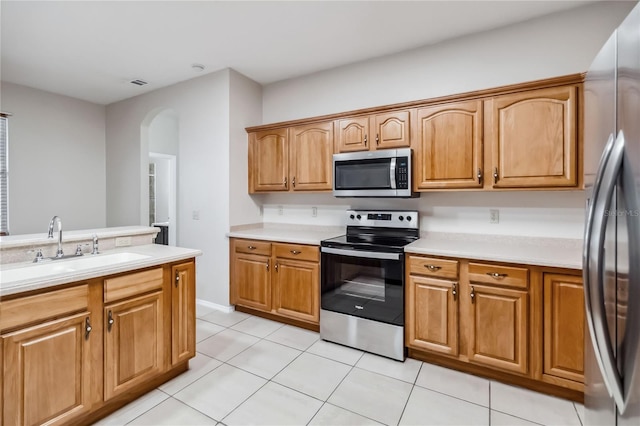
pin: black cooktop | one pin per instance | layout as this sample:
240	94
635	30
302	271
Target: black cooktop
373	239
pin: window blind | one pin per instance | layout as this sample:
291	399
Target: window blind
4	175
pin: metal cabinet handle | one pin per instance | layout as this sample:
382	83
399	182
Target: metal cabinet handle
432	268
454	291
365	140
109	321
251	247
473	294
177	278
496	275
285	182
267	264
87	328
479	176
293	181
377	139
276	267
295	252
495	175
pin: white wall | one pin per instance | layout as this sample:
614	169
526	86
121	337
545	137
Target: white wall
163	133
550	46
244	111
202	108
56	160
558	44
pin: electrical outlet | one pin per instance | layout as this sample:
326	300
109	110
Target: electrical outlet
314	212
123	241
195	215
280	211
494	216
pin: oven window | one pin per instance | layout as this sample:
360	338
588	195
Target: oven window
363	174
364	287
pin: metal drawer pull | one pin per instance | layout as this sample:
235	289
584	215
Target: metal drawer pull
87	328
267	264
109	321
276	266
251	247
473	294
293	181
495	175
285	182
432	267
295	252
496	275
177	278
365	140
454	291
479	176
377	139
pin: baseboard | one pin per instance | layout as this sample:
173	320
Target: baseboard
222	308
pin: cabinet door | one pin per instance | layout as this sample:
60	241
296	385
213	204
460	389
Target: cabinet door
498	328
133	343
268	161
297	289
449	146
251	281
311	157
392	130
352	134
183	312
46	372
533	138
432	315
564	327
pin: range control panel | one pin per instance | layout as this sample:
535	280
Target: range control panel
383	218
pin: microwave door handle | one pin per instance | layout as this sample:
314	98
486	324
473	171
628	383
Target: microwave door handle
392	173
594	270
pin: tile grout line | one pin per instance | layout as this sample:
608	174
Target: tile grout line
577	414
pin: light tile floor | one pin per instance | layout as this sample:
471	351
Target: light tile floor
250	370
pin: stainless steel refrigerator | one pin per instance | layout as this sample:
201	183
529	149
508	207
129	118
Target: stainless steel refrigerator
611	262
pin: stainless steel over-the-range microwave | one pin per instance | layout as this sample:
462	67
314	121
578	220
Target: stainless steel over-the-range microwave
383	173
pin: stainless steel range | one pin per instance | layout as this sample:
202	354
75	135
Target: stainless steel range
362	281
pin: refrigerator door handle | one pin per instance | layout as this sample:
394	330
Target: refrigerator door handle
593	255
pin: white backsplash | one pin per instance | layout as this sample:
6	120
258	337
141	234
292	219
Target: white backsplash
535	214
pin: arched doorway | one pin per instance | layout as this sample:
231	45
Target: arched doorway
160	136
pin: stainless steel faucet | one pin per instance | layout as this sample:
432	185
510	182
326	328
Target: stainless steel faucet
57	220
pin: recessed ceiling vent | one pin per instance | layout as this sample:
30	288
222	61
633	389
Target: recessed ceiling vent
138	82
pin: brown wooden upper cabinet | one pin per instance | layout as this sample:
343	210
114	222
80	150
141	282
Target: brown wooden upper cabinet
291	159
376	131
448	146
533	138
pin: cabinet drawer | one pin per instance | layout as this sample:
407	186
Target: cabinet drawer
253	247
31	309
441	268
132	284
498	275
298	252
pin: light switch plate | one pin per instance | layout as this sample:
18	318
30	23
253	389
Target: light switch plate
123	241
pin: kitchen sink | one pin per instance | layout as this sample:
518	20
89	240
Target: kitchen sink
57	267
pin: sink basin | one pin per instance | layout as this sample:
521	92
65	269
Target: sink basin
57	267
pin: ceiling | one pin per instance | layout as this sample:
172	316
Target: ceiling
91	50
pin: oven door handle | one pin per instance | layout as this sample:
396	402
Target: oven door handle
362	253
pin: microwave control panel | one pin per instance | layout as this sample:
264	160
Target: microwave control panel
402	173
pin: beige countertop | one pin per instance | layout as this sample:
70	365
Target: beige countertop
11	241
21	277
295	234
554	252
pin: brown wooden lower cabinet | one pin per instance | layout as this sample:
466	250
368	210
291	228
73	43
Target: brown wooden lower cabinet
277	280
73	355
516	323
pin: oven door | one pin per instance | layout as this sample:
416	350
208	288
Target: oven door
363	284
